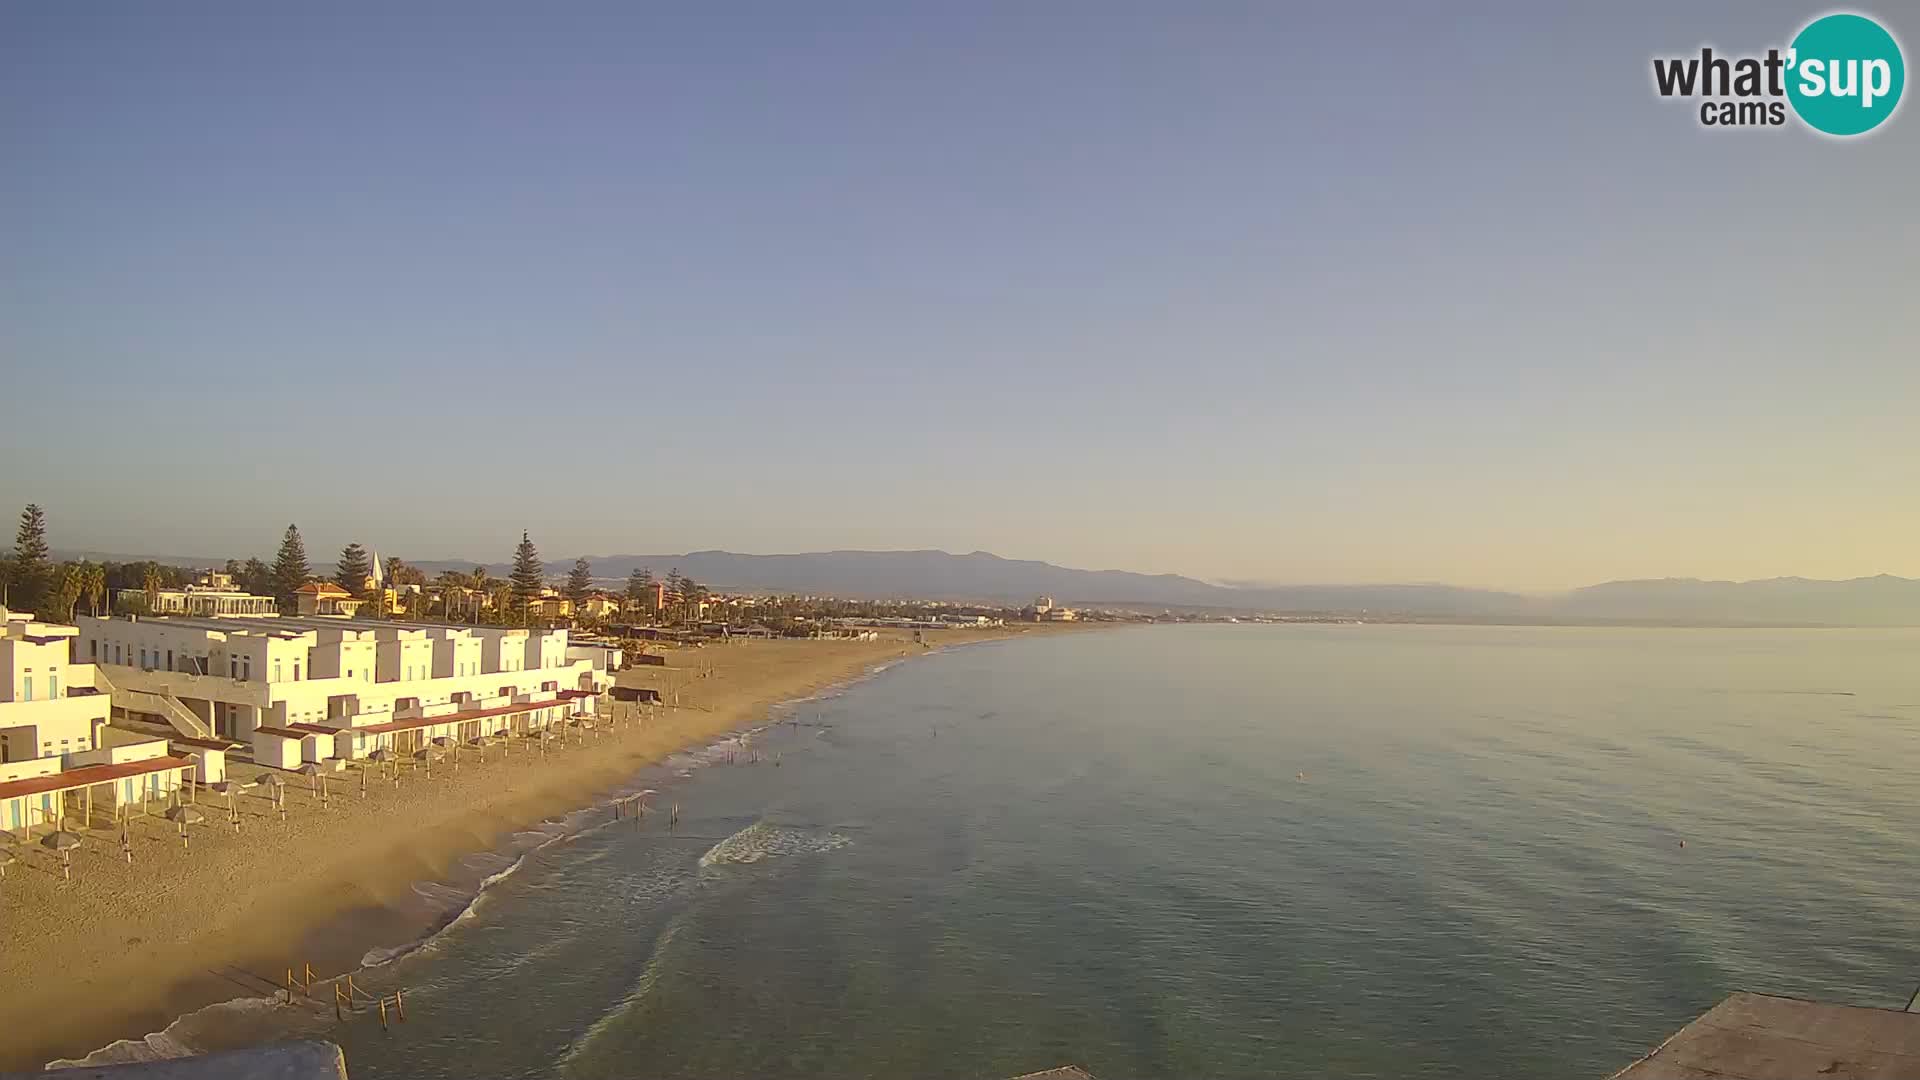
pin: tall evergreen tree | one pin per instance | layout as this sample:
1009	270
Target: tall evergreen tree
640	587
353	569
527	577
30	572
580	583
290	570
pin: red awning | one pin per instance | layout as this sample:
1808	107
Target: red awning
90	775
454	718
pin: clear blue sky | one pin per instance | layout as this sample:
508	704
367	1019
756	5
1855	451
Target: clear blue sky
1249	291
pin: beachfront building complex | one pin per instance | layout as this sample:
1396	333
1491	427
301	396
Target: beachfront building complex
323	690
57	751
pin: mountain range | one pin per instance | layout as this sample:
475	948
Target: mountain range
982	576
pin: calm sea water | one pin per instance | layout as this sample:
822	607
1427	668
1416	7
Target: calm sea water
1224	851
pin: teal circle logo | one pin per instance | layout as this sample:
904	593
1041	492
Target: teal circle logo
1845	74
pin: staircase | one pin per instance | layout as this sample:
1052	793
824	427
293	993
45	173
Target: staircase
165	706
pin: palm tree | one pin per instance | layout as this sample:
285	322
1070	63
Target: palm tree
93	582
150	581
481	583
449	582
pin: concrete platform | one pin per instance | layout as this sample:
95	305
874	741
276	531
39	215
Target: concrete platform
1758	1037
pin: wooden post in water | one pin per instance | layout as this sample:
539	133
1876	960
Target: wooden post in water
383	1014
400	1004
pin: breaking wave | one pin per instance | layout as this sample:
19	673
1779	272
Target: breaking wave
764	839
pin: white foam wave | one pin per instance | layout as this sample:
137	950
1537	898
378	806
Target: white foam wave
764	839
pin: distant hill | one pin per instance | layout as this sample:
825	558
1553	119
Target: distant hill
1870	601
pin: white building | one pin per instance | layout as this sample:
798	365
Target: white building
338	688
213	594
56	748
48	703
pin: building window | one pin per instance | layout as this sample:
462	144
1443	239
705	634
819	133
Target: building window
29	685
53	685
169	659
93	649
296	671
276	671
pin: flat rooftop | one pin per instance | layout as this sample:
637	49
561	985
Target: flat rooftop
1760	1037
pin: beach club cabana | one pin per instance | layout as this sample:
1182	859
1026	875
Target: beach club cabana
279	748
41	801
209	756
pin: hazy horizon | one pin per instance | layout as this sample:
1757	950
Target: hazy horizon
1203	292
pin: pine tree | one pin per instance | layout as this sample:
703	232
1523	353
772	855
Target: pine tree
580	583
290	570
30	571
640	588
353	569
527	577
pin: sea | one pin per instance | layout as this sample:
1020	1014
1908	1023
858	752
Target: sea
1227	851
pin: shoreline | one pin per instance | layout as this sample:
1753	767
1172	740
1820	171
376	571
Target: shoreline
124	951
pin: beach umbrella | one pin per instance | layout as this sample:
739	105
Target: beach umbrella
315	777
424	756
63	842
183	816
479	742
225	788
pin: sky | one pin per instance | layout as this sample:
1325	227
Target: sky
1248	291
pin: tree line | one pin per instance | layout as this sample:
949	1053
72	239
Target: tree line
31	581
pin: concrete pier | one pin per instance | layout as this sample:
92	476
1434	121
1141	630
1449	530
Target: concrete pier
1760	1037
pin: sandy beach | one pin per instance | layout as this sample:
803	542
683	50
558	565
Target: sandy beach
123	949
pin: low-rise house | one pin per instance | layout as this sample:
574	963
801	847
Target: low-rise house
598	606
325	598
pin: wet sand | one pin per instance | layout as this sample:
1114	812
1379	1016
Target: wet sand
123	949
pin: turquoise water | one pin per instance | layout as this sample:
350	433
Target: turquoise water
1220	851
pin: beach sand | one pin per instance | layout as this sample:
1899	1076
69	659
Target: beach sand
123	949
